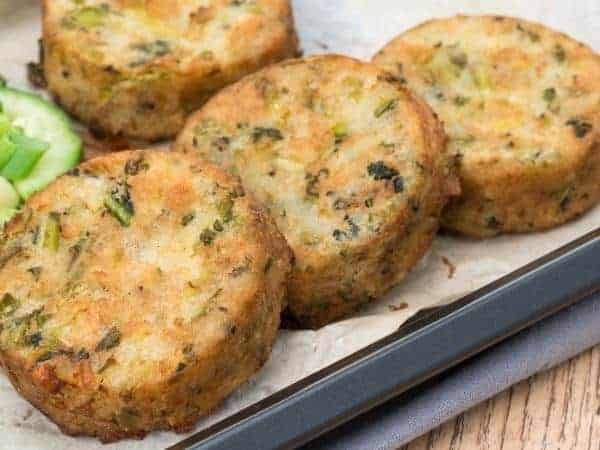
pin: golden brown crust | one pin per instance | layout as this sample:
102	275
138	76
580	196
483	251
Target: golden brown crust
352	166
521	105
129	68
114	329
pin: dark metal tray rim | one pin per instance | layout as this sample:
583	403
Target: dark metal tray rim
286	419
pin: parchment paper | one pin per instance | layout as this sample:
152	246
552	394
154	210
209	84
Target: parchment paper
357	28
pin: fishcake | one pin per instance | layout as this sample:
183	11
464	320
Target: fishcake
352	166
138	67
137	292
521	106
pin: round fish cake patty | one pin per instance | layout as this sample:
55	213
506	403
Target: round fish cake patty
352	166
521	106
138	67
137	292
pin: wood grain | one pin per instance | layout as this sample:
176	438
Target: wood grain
555	410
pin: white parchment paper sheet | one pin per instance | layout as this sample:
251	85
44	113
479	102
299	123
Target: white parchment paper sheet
357	28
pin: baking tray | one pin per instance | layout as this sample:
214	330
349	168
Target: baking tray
429	344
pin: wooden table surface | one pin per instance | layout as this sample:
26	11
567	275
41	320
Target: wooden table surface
555	410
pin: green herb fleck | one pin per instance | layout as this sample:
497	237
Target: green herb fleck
150	51
133	166
269	264
33	340
188	218
225	209
565	198
36	272
82	354
259	133
340	235
340	132
313	180
221	143
580	127
559	53
549	94
47	356
379	171
398	185
354	229
207	236
459	59
8	305
385	106
41	319
119	204
111	339
75	252
533	36
492	222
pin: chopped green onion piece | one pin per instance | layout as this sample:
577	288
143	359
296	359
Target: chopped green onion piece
7	149
119	210
29	143
340	132
28	153
385	106
87	17
51	238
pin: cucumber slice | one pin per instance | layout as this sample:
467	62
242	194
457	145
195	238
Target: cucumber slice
9	201
7	149
42	120
4	124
